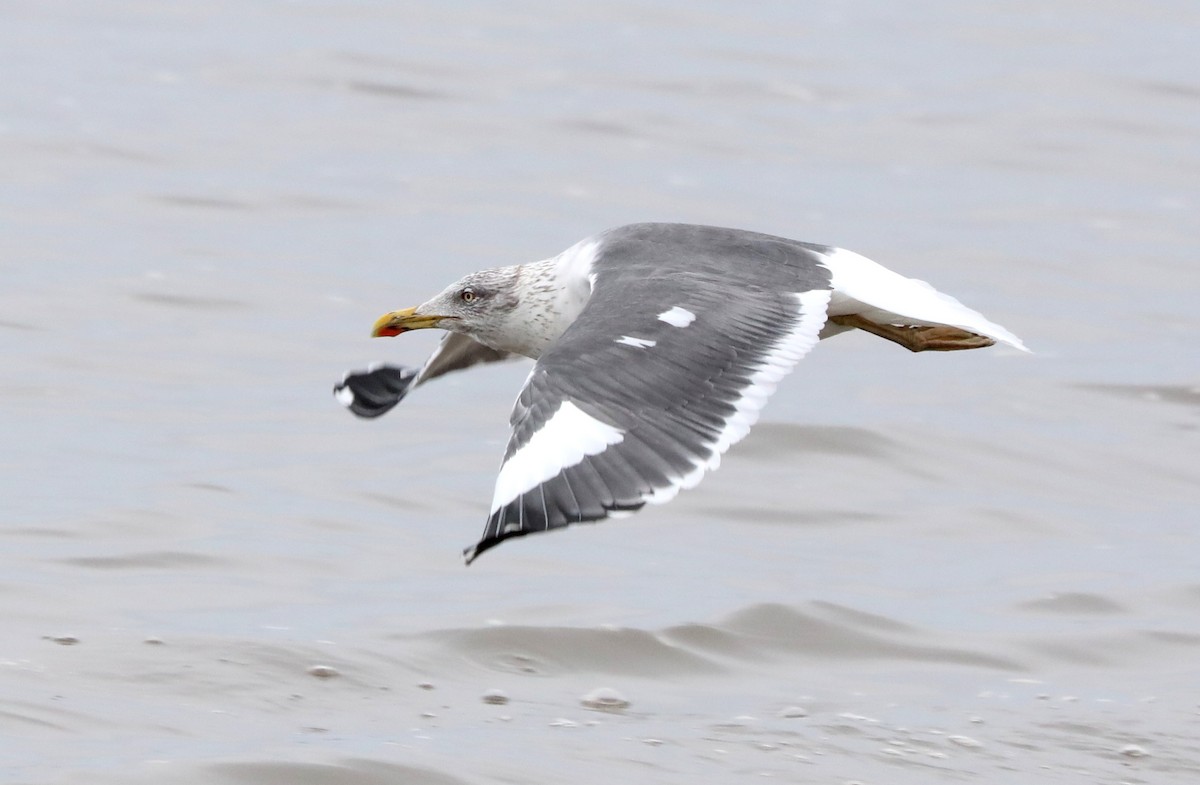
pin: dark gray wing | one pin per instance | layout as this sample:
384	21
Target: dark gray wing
374	391
675	353
456	352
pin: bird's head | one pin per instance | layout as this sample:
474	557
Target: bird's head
470	305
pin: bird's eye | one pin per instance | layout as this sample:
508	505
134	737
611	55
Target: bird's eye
468	296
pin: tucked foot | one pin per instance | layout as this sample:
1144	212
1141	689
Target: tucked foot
918	338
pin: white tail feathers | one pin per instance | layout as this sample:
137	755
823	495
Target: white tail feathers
861	286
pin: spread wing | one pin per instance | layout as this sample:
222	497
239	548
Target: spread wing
373	392
666	367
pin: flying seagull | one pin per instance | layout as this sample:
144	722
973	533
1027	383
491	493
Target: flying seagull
656	347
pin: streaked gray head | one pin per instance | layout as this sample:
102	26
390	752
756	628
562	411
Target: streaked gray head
520	309
475	303
479	305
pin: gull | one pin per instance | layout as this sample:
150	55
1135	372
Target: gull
656	347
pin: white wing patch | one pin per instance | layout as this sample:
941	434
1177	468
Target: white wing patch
777	363
861	286
637	343
569	436
677	317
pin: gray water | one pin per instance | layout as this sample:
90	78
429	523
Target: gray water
979	566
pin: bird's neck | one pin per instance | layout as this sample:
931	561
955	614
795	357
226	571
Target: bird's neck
550	295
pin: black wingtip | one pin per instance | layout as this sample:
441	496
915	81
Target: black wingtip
375	391
490	541
487	543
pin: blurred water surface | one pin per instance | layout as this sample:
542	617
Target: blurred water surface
917	569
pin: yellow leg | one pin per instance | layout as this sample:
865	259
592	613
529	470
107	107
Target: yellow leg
939	338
